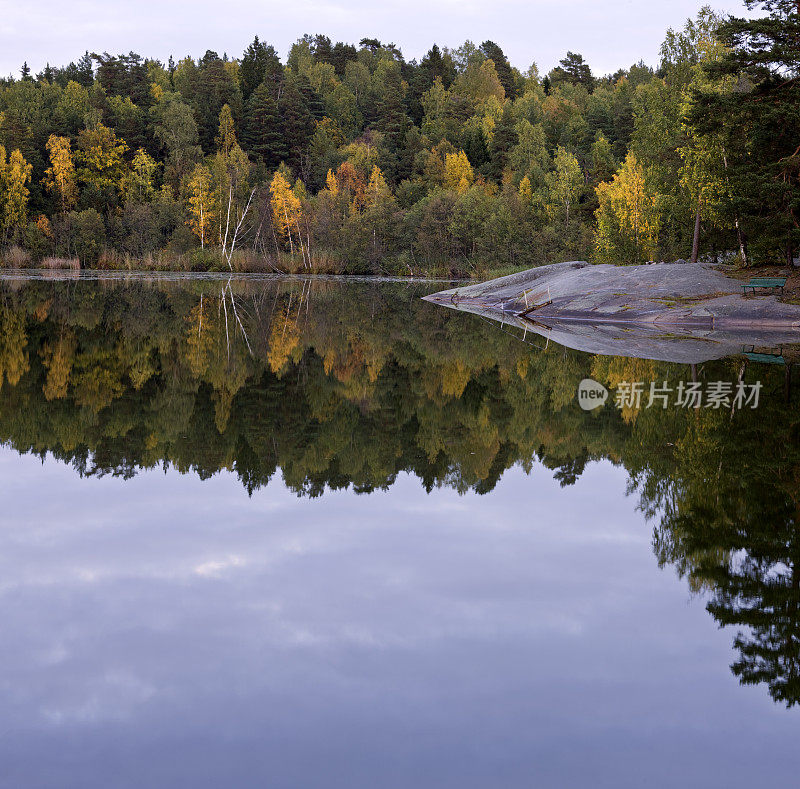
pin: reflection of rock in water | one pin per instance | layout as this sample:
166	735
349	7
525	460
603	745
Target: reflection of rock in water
678	313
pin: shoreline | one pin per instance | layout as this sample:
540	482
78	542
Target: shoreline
31	273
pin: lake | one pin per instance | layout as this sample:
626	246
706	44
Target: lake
271	531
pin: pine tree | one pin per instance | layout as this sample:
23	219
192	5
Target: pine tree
322	49
501	66
297	122
757	123
263	135
393	122
503	141
573	69
341	55
260	63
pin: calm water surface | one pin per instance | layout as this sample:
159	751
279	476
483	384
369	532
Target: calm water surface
322	534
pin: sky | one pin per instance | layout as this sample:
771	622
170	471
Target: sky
172	631
610	35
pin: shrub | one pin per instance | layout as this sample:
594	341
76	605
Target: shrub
87	235
15	257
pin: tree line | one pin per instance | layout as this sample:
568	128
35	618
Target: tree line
349	158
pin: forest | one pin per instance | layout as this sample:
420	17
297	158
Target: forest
350	159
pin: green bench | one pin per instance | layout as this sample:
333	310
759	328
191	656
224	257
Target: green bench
772	355
764	282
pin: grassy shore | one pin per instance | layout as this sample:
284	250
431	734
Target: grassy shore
247	261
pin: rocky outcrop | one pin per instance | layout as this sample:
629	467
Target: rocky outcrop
685	313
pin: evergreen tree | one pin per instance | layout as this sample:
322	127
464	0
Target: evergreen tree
124	75
757	123
393	121
341	55
503	142
573	69
501	66
81	72
434	65
297	121
259	63
263	135
322	49
313	101
214	87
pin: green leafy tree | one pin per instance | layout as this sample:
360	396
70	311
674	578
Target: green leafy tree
564	185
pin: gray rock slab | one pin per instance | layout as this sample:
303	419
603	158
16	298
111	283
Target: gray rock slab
687	313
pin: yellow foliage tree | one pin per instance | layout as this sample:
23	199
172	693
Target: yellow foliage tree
97	377
331	183
492	111
59	178
229	186
526	190
201	204
101	159
377	191
352	184
15	173
284	337
200	336
458	173
58	361
286	208
628	218
13	343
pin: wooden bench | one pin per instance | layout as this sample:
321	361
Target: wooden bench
764	282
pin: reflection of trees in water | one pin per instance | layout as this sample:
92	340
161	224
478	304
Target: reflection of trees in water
732	529
341	386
